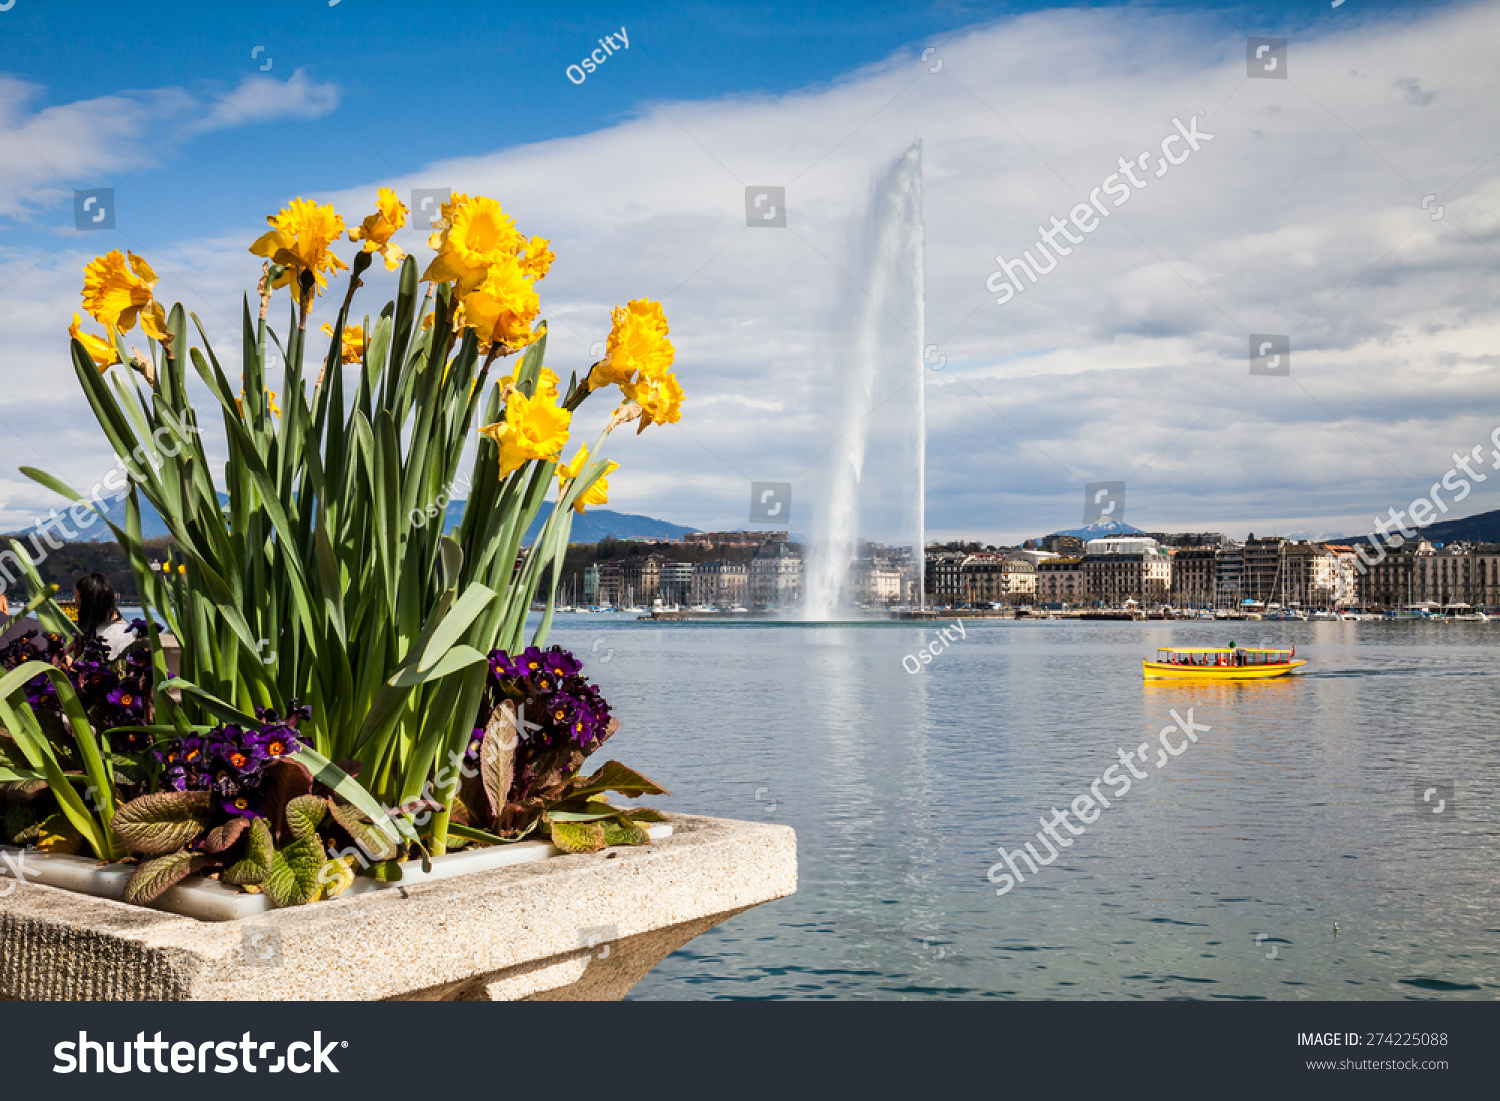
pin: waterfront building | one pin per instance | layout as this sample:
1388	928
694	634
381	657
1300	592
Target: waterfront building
720	583
1126	568
1060	580
989	578
1195	576
876	581
1390	582
775	576
609	584
945	578
676	583
1309	575
1262	568
1229	576
641	577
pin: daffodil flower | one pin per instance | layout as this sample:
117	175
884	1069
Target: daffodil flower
102	352
376	230
596	494
533	428
117	293
299	241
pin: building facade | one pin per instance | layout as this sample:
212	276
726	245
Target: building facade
1195	576
1119	569
775	577
1060	581
720	584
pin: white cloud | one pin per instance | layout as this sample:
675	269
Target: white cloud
1302	216
45	153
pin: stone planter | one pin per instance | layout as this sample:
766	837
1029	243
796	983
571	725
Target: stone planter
561	928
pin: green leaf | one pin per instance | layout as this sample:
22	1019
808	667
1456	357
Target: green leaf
469	833
330	775
588	812
622	831
294	876
256	863
387	871
153	878
617	777
578	837
305	814
459	657
163	822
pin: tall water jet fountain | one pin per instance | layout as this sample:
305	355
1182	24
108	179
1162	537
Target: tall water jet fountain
882	397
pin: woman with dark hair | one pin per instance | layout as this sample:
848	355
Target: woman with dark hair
98	614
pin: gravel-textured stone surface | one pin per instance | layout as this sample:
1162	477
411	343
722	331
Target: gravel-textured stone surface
574	926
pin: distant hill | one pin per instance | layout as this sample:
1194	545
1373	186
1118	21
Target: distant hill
591	527
1483	527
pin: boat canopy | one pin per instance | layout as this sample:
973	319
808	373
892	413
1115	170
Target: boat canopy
1223	650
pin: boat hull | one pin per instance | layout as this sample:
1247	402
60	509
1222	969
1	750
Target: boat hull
1165	671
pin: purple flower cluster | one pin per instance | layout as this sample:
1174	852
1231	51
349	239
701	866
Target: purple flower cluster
557	707
115	693
35	646
231	760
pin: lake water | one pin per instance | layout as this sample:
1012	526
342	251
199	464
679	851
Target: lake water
1222	875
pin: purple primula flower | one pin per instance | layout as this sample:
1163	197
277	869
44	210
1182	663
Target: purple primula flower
561	663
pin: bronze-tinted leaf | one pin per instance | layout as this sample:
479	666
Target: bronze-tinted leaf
283	781
497	758
163	822
220	838
375	844
154	877
617	777
645	814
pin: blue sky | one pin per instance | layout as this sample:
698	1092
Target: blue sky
1126	364
417	83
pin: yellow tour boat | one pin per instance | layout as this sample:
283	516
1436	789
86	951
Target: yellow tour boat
1217	663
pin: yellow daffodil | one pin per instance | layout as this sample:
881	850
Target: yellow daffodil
538	259
101	351
504	307
547	383
596	494
472	233
299	240
376	230
353	349
533	428
117	293
660	399
637	343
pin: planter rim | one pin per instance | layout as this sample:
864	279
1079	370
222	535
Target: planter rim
210	900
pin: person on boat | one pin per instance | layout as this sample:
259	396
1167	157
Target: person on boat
99	615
